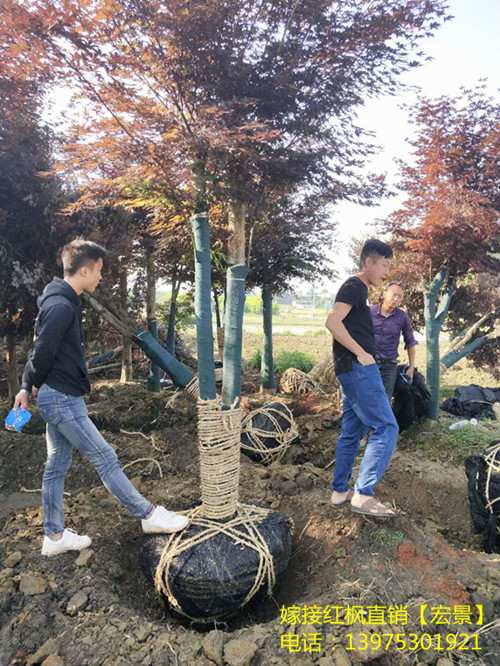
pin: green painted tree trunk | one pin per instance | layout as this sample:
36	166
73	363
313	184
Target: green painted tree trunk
126	374
154	372
268	378
433	374
172	315
434	318
234	306
454	356
233	334
202	303
180	374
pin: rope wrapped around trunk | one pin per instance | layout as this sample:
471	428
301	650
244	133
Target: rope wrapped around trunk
220	512
219	444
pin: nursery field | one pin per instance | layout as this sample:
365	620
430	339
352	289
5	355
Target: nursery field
303	330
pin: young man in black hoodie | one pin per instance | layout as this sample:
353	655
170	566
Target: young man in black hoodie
56	375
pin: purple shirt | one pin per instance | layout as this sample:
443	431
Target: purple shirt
388	329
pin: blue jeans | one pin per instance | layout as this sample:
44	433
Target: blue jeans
366	406
69	427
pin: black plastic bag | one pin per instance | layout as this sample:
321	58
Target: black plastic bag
213	578
472	401
485	520
412	402
264	424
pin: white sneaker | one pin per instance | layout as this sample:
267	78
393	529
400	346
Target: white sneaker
69	541
162	521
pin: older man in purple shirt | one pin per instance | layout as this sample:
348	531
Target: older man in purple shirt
389	321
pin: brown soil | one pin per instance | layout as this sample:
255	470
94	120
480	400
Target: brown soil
427	554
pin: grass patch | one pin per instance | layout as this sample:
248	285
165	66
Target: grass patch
385	536
435	440
447	391
293	359
255	360
285	360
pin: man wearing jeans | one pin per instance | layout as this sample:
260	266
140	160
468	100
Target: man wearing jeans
389	322
56	375
365	402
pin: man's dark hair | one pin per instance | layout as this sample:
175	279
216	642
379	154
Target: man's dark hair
375	248
79	253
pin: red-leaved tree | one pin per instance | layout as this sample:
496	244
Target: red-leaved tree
447	231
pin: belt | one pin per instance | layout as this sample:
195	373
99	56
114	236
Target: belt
385	361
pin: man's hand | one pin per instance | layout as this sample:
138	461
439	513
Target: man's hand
365	358
410	371
22	399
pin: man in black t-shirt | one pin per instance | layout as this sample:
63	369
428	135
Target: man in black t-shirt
365	403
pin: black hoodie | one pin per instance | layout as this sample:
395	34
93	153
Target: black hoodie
58	357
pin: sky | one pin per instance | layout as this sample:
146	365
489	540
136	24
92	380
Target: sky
464	50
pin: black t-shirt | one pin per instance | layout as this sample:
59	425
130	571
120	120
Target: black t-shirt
358	323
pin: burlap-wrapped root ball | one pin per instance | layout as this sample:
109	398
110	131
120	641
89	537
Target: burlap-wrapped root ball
483	474
230	551
298	382
267	432
213	568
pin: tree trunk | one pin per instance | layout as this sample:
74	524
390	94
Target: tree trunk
234	306
202	304
11	359
452	357
154	375
433	373
219	326
464	344
127	369
434	319
236	243
180	374
268	378
172	315
467	335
